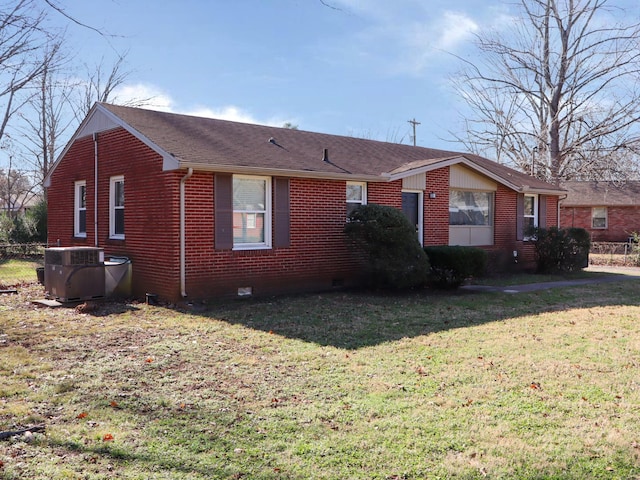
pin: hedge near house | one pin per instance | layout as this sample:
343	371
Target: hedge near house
452	265
561	249
394	257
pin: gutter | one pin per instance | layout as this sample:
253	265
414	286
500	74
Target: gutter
278	172
95	189
183	255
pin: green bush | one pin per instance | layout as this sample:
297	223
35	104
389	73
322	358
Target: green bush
26	227
394	257
38	218
452	265
561	250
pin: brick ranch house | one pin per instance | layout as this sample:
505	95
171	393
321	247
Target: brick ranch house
609	211
206	207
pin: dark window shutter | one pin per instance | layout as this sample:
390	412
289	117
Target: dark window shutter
542	211
223	204
281	213
520	217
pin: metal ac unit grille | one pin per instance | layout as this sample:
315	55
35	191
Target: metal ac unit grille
73	256
74	273
52	257
83	257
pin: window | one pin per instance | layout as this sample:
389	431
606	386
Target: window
356	195
116	207
530	215
80	209
470	208
599	217
251	212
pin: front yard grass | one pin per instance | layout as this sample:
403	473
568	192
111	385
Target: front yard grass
329	386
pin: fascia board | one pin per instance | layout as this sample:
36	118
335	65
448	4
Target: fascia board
88	127
277	172
473	166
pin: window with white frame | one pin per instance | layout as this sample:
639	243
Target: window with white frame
599	217
80	209
251	212
530	215
116	207
470	208
356	195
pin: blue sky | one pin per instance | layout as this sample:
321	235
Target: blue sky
363	68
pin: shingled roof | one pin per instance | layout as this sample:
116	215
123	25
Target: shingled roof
602	194
219	145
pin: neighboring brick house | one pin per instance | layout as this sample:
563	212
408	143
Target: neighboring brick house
207	207
610	211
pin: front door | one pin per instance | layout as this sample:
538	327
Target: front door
411	209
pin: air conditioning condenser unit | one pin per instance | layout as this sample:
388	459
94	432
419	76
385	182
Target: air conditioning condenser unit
74	273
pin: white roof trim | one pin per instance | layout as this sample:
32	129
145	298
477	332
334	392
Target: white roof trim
454	161
99	120
281	172
473	166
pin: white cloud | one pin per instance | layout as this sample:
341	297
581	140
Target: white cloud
409	36
152	96
157	99
455	29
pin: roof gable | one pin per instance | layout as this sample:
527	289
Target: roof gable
186	141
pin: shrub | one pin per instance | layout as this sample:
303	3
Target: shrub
452	265
395	258
561	250
25	227
38	217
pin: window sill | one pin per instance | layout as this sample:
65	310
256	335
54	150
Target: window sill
244	248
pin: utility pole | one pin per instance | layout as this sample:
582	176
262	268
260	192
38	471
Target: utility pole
414	122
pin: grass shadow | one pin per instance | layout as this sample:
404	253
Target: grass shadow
356	319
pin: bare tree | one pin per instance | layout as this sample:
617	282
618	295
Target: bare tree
101	85
15	189
557	95
45	119
26	48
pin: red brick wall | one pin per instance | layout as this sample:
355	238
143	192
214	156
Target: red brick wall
385	193
436	210
151	200
621	222
318	257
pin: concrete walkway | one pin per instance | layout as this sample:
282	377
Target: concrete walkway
614	274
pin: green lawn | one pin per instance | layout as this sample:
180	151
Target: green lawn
330	386
18	270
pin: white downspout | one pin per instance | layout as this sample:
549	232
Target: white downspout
559	200
95	189
183	255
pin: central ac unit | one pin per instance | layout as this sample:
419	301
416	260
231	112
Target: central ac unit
74	273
